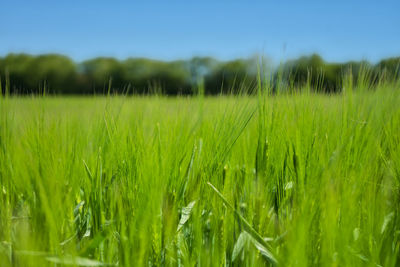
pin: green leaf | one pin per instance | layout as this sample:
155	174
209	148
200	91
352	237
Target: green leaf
88	171
264	251
261	243
386	221
70	260
186	211
242	240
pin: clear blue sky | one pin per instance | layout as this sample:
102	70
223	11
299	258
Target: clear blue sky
338	30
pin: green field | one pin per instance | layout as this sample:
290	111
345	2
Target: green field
289	180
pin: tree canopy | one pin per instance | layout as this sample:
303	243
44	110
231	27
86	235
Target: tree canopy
59	74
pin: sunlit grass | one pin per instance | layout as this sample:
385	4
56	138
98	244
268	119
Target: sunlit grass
134	181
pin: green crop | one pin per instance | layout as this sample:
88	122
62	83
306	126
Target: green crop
281	179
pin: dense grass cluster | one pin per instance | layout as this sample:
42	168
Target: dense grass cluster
287	180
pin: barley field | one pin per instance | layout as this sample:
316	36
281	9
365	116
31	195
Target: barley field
299	179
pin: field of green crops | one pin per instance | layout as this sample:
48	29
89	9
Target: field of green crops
285	180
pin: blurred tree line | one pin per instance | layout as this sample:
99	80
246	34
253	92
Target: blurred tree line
327	77
26	74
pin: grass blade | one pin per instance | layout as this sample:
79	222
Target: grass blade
262	244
